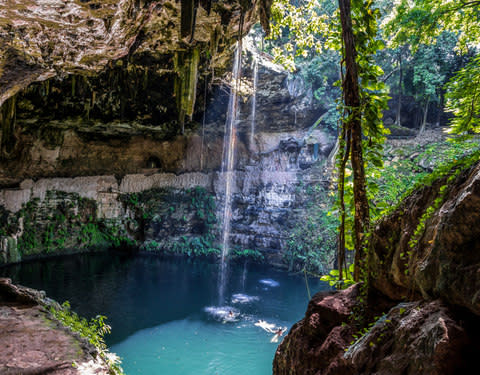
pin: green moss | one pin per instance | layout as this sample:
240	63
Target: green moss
186	67
176	221
8	121
63	222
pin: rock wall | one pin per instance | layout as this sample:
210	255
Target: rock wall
279	156
423	305
269	196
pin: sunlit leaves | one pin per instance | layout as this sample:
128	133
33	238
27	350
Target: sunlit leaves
463	98
303	23
424	24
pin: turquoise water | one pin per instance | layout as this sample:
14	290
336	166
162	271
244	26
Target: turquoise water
165	314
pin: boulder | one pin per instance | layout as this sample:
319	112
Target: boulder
315	345
437	259
412	338
415	338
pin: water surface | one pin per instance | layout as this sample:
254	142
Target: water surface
165	313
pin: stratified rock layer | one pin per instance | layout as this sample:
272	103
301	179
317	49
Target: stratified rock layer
278	161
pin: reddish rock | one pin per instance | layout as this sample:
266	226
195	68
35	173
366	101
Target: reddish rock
315	345
413	338
33	342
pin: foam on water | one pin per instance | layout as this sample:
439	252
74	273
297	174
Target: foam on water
269	282
243	298
223	313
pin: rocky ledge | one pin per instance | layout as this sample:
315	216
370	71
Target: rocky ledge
423	307
34	342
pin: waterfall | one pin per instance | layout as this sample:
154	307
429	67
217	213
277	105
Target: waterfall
228	165
244	275
254	102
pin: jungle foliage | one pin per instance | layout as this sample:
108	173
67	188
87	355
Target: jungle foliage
431	55
430	48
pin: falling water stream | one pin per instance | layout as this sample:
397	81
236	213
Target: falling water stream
228	166
254	102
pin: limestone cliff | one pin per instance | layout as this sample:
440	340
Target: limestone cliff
87	174
424	293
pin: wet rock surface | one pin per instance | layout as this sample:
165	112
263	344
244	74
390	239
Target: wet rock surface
33	342
43	39
277	162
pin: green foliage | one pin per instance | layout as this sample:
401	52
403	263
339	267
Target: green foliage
403	175
189	246
422	21
167	212
247	254
312	242
463	98
62	222
422	24
332	278
303	23
93	330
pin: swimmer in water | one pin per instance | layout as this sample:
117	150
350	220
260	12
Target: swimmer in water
269	327
230	314
278	334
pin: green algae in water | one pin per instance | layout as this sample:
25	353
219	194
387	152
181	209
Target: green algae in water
158	309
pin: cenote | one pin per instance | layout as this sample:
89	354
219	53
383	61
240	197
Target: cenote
164	311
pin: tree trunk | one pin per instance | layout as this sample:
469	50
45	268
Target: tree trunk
351	96
344	154
424	121
440	108
398	121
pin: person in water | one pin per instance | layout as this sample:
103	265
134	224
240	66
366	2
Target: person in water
230	314
278	334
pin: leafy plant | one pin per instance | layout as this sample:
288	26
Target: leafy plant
93	331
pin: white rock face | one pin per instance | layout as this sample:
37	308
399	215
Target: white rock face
103	189
135	183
